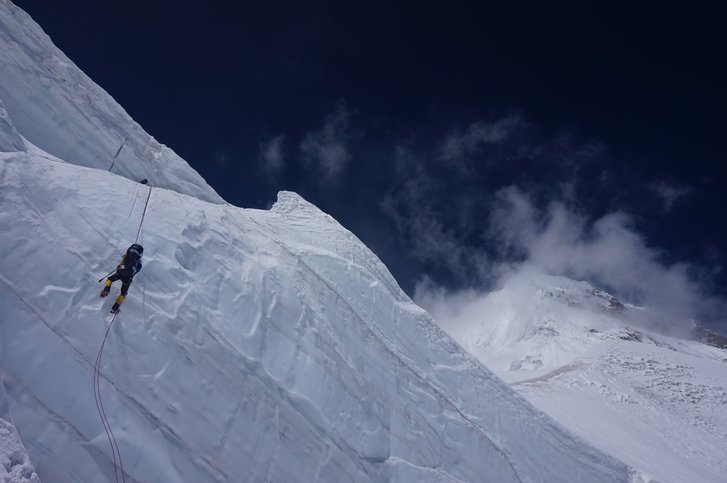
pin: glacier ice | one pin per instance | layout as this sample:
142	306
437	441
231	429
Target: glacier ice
261	345
256	345
58	108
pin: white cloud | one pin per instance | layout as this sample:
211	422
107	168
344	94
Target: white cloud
460	144
327	149
608	252
480	241
413	208
272	157
670	194
512	221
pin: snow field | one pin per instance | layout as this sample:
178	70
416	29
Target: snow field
254	346
657	402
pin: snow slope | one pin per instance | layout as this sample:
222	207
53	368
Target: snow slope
59	109
658	403
254	346
10	139
15	466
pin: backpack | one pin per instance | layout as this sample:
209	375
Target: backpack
131	264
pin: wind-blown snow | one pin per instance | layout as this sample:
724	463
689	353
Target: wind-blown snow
590	361
58	108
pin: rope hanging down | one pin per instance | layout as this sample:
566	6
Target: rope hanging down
143	214
115	453
118	151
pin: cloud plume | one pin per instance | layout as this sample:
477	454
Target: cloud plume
670	194
272	158
459	144
608	252
327	149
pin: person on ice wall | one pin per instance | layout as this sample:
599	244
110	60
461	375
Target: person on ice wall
129	266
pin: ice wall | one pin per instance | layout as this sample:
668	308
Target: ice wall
254	346
60	109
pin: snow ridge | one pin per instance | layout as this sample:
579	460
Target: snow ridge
58	108
595	364
267	344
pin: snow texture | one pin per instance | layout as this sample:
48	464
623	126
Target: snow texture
15	466
10	140
656	402
58	108
254	345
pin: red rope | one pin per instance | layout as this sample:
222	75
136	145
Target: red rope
102	413
115	453
143	215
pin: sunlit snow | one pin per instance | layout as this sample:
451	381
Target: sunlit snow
600	367
255	345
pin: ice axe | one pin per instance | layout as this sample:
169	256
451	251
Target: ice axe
108	274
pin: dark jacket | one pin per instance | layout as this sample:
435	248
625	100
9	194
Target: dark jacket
130	264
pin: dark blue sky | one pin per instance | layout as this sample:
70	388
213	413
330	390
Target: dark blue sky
406	121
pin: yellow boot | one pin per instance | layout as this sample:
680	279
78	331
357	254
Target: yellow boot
106	289
115	308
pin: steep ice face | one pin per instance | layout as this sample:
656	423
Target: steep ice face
55	106
10	140
593	363
253	346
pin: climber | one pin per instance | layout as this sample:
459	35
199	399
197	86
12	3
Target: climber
128	267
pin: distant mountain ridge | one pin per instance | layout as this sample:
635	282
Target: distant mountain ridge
599	367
